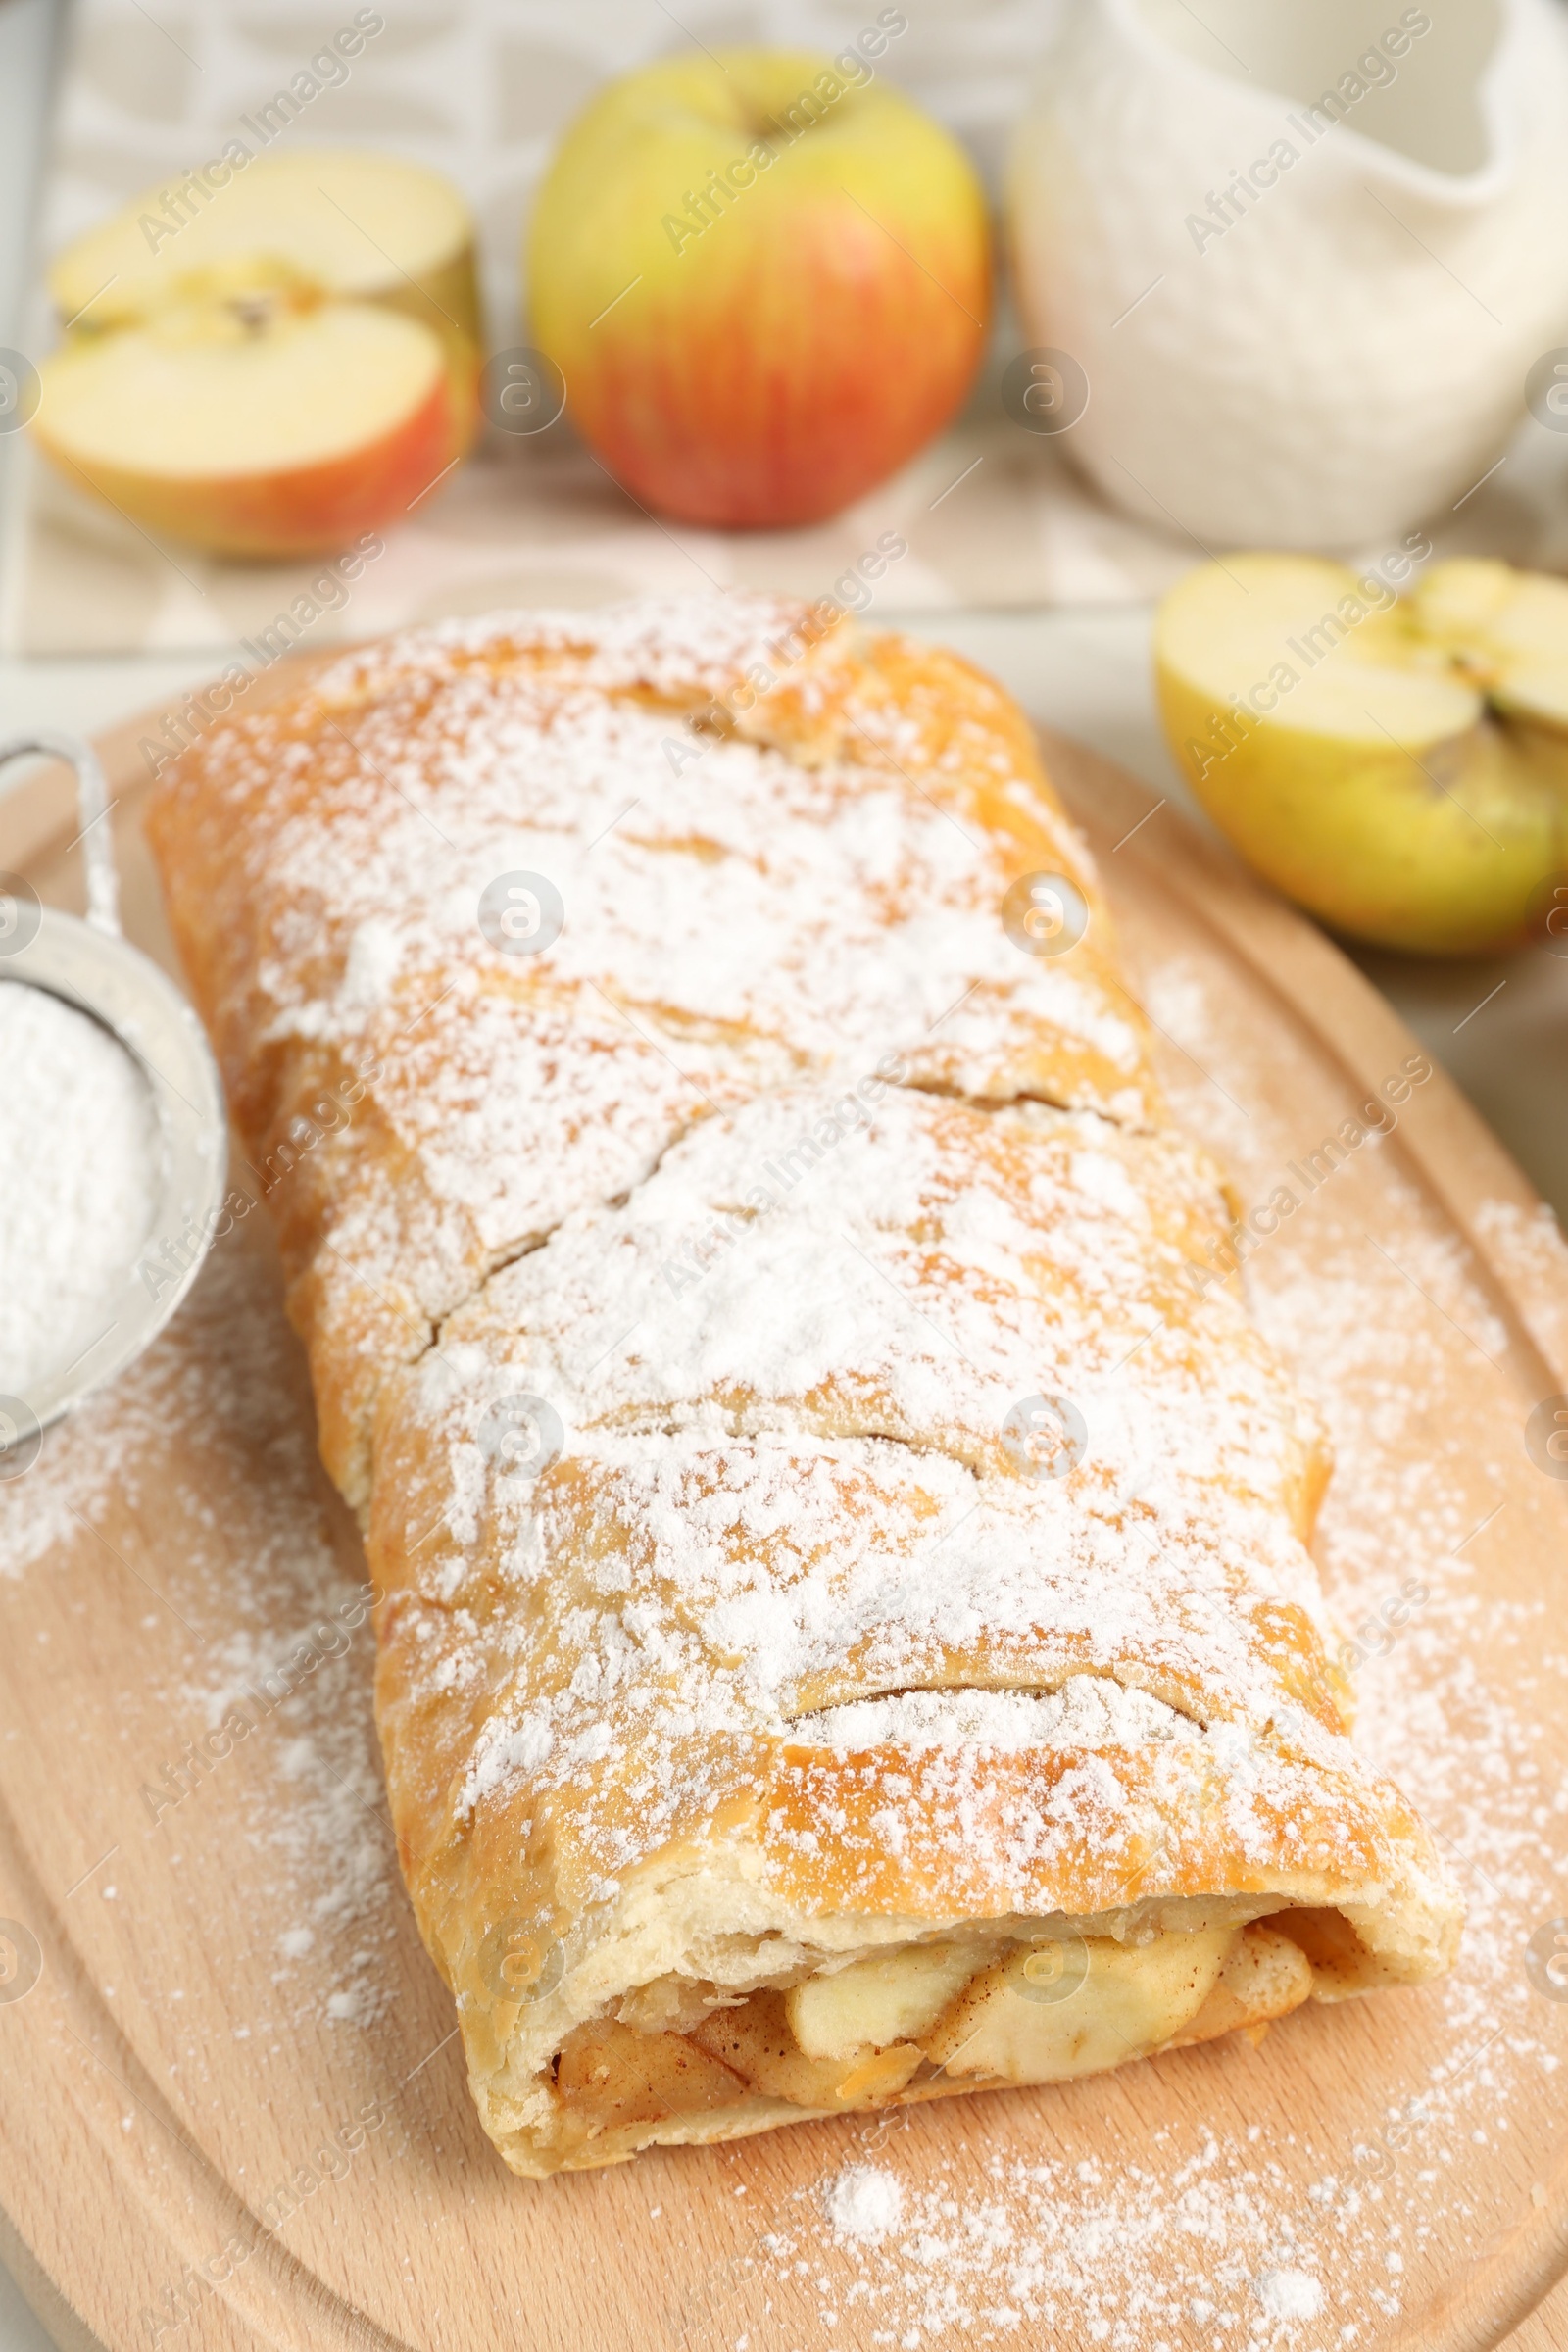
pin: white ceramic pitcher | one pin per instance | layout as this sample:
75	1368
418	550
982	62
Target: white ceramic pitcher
1306	251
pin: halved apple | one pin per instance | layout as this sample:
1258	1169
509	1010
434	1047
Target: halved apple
291	366
1399	766
357	225
287	431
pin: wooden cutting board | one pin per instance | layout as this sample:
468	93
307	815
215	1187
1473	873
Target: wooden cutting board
232	2112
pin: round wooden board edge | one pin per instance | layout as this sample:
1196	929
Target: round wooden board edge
1315	984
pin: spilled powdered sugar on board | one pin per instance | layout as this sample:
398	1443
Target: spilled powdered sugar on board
283	1649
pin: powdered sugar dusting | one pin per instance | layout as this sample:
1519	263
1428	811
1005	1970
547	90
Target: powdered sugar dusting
1218	2235
787	1499
1290	2294
258	1631
1271	2231
796	1278
1198	2249
1529	1243
863	2203
793	914
1087	1711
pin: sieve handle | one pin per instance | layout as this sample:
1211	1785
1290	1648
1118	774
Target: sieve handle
92	807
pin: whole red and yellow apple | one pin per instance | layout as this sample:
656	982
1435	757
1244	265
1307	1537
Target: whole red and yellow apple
765	277
277	370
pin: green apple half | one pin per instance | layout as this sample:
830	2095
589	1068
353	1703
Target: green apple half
1398	764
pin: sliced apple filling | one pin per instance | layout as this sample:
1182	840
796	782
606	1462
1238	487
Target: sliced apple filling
932	2017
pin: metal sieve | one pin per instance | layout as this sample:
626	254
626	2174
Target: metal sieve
91	966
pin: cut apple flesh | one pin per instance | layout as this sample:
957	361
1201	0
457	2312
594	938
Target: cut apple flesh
196	394
1131	1999
349	223
1266	1975
1227	639
263	436
756	2043
946	2016
892	1997
1399	768
1507	630
614	2075
273	366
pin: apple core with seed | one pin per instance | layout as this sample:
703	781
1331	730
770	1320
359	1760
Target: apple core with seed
1398	765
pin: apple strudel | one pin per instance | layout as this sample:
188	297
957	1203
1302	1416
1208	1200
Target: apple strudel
847	1633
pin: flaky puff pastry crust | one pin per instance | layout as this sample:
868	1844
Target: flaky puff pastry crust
771	1296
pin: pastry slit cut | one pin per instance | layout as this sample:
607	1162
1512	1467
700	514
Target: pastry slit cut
816	1716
